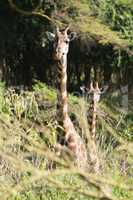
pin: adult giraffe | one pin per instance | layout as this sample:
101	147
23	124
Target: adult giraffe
72	139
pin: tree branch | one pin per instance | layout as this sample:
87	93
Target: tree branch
29	13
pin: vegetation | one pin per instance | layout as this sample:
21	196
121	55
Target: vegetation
30	167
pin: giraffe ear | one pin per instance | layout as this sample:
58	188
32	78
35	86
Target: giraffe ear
104	89
83	89
50	36
72	35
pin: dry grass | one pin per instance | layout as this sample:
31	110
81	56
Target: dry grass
27	140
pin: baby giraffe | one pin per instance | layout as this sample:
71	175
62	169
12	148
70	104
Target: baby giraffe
71	138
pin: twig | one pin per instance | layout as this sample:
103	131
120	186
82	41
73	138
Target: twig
119	121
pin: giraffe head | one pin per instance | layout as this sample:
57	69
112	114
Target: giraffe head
95	92
61	40
61	43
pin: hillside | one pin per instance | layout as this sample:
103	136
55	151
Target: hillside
28	140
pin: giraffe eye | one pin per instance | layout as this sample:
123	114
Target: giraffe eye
66	41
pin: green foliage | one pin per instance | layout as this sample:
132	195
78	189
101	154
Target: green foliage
122	194
49	194
127	131
2	90
23	104
47	92
118	15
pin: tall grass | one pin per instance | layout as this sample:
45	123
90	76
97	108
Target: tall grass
28	150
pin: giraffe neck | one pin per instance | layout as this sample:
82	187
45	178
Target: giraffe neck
62	105
73	140
93	143
92	120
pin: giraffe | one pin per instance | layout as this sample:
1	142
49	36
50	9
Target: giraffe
72	139
94	93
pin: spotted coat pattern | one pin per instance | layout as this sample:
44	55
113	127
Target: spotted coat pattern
72	139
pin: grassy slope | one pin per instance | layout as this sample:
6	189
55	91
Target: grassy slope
27	137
